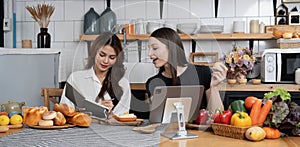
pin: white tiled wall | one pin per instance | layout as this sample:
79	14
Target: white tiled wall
67	21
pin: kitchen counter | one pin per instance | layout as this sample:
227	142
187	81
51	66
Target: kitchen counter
238	87
260	87
64	136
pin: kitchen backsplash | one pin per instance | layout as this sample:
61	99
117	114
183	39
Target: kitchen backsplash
67	21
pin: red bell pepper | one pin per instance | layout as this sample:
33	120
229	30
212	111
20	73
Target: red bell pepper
223	118
217	116
226	117
202	117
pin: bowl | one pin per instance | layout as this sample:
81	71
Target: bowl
187	28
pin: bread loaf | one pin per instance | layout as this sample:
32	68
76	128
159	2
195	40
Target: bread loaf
64	109
60	119
80	119
125	117
32	115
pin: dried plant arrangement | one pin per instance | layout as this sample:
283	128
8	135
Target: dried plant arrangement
41	14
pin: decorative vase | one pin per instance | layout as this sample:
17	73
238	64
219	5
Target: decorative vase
43	38
91	22
108	19
242	79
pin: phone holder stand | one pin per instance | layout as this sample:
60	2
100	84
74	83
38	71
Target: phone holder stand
181	133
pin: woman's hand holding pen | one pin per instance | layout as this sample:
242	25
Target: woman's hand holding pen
107	103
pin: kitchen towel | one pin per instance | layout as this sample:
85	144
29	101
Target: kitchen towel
95	135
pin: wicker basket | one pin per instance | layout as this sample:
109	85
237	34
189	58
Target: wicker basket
288	43
229	130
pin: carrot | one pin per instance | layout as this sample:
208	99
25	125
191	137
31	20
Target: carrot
264	111
255	112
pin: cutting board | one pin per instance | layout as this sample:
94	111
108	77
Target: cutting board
114	122
293	28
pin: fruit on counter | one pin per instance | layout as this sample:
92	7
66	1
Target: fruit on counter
223	117
255	133
16	119
4	113
255	112
12	113
238	106
241	119
249	101
271	133
202	117
4	120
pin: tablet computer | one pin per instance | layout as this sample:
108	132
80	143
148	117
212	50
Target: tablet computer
80	102
160	103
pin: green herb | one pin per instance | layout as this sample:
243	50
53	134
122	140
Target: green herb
284	95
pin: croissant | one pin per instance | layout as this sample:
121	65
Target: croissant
64	109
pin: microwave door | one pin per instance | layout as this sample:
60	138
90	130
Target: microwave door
279	67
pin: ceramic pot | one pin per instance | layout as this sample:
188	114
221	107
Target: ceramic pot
12	107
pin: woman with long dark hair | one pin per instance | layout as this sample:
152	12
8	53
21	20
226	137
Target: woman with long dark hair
103	80
167	53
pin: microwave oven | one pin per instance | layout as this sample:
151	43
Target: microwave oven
279	65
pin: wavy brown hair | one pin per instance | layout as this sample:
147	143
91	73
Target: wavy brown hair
116	72
174	44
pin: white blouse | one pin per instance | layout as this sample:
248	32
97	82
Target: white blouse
88	85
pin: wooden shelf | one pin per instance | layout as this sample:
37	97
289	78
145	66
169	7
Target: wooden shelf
267	36
261	87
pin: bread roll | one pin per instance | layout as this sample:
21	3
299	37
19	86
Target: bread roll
45	123
277	34
80	119
33	115
64	109
49	115
60	119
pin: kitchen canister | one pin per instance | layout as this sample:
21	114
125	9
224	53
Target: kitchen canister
261	27
238	26
297	76
91	22
108	19
254	26
140	27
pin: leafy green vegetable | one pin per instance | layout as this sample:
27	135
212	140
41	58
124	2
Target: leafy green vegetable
278	92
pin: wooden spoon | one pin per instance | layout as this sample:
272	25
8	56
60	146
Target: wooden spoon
147	129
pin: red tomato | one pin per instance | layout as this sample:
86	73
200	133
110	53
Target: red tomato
249	101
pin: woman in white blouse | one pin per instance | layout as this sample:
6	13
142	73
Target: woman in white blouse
103	81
